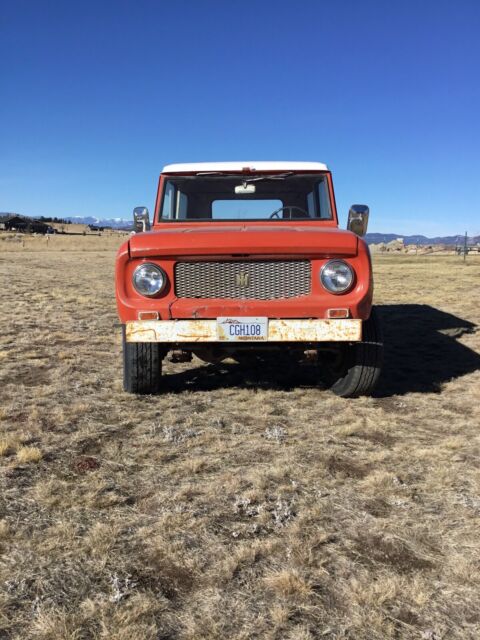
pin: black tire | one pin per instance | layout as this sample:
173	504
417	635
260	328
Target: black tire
354	369
142	366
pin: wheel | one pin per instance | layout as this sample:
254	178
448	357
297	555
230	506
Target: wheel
142	366
353	369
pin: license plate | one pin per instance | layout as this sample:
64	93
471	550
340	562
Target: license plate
242	329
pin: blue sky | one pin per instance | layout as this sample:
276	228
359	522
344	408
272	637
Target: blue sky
95	97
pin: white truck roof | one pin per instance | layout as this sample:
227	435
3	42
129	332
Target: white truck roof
197	167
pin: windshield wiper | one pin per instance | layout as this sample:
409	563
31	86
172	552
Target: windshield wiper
244	176
212	173
275	176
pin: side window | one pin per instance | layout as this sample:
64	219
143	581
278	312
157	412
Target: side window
311	205
181	208
324	200
168	201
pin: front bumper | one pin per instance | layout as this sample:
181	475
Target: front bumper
173	331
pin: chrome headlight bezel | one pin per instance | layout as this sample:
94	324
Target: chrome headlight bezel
325	278
155	269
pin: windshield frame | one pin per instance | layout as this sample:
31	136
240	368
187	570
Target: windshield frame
249	178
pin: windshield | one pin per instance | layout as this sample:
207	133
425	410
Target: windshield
218	196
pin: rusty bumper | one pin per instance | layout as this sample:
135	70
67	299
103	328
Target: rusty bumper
278	331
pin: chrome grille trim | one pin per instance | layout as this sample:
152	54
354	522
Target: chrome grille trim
243	279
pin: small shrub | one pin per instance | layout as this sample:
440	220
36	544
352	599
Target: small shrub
29	454
5	447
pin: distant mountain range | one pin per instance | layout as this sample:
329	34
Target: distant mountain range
114	223
376	238
371	238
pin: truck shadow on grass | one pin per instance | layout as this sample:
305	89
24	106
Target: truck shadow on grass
422	349
422	352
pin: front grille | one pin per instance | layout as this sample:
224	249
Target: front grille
242	279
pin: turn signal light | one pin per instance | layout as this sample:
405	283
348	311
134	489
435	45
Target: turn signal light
148	315
338	313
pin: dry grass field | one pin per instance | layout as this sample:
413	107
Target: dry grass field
107	241
241	503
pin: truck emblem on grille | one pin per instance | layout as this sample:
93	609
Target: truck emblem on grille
242	279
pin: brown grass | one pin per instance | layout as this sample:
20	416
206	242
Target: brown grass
242	503
26	243
29	454
5	446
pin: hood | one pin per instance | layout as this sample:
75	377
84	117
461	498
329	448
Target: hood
244	239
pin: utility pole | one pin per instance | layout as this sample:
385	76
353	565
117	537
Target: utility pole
465	247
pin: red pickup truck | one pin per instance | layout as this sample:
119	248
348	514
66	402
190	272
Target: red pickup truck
245	257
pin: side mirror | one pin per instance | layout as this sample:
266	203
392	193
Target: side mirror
141	219
358	219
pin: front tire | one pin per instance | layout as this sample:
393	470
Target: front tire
142	366
353	370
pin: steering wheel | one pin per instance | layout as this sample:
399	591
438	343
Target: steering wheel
277	211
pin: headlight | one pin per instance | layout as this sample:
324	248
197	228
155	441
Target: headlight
336	276
149	280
